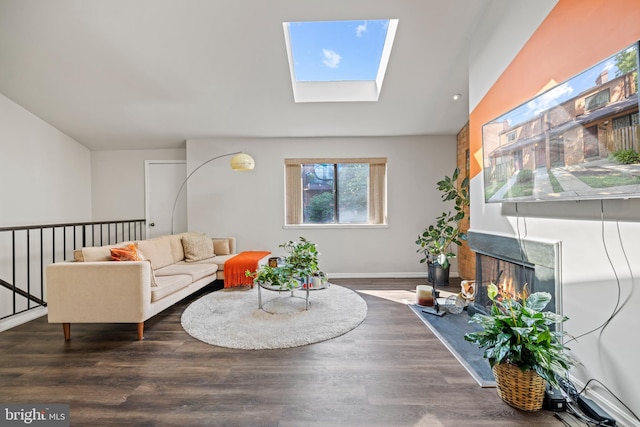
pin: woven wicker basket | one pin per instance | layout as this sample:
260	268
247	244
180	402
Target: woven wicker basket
522	390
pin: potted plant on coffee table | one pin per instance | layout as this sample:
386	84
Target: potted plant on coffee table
295	270
436	241
521	346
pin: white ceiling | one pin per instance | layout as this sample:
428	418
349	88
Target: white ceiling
137	74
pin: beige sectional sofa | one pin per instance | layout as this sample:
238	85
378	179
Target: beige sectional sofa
93	288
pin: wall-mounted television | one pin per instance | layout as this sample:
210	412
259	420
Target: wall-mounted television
579	140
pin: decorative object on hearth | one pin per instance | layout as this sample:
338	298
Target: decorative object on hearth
518	333
424	296
436	240
231	318
468	289
427	299
239	162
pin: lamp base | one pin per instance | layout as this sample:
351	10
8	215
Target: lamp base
433	311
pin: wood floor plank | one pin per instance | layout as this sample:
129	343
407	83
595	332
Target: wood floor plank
390	371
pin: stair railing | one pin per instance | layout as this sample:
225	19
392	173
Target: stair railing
25	251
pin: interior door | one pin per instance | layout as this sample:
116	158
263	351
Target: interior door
162	182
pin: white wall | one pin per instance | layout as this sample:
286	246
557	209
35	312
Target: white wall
600	267
45	174
250	205
46	179
118	181
491	57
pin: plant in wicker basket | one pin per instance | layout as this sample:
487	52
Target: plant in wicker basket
521	346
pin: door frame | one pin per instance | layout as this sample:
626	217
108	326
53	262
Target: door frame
147	165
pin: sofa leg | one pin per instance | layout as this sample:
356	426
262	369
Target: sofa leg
66	328
140	331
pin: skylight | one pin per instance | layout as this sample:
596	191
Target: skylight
338	61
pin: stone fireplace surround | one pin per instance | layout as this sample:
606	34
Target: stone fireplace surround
543	257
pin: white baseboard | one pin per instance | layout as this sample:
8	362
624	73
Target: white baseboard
22	318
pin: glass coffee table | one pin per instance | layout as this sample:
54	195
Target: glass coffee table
303	288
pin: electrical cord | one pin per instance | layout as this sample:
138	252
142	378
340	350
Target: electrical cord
571	396
606	251
565	384
611	393
521	242
626	259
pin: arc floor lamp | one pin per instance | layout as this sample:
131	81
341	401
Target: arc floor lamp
239	162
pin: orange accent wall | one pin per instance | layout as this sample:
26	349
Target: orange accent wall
575	35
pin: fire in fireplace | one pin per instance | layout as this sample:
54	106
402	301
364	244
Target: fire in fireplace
511	263
510	276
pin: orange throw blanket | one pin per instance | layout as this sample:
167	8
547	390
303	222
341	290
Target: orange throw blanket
234	268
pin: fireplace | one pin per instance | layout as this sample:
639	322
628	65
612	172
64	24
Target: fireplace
511	264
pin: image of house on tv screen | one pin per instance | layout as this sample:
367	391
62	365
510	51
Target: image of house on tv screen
579	140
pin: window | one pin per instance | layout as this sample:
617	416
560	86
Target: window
625	121
338	61
335	191
512	136
598	100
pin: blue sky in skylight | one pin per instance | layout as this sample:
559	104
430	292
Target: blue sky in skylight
337	50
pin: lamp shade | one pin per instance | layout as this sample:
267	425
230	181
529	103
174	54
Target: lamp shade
242	162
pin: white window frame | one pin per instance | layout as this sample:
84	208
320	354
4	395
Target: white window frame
377	192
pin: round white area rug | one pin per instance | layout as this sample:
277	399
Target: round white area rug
232	318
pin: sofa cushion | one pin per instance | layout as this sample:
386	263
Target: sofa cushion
157	250
197	247
221	246
218	260
196	271
168	285
154	282
128	253
177	250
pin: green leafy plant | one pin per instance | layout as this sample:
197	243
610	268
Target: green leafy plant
302	261
320	209
268	274
518	332
435	242
625	157
524	176
298	266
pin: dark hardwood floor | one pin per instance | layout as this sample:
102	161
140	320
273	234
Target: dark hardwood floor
391	371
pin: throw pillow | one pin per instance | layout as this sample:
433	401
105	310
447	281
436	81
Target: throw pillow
197	247
128	253
221	246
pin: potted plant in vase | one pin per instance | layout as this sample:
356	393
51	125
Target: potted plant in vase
437	239
302	261
521	347
297	268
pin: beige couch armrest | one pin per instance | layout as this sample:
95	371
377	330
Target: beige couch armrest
100	292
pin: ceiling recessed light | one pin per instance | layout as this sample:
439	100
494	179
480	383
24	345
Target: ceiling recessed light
457	96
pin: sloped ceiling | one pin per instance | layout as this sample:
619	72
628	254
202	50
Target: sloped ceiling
137	74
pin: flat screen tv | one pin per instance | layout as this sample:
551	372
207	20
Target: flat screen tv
579	140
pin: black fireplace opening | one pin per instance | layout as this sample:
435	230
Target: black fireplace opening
509	275
514	262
